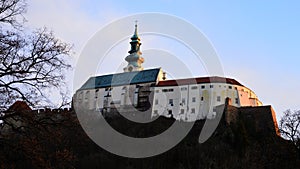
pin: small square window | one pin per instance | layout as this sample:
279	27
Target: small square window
230	87
171	102
194	99
194	87
211	86
193	110
181	111
219	98
202	87
170	112
183	89
236	100
183	101
202	98
165	90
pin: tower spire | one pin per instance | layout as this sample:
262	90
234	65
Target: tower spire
135	30
135	41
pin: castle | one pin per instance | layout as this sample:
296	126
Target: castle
188	99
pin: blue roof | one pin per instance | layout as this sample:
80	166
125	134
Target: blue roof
145	76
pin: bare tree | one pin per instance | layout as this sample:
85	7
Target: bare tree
11	11
29	62
289	126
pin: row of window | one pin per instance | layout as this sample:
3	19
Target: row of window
183	100
193	111
193	88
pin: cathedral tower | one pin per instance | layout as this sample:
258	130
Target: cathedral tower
134	58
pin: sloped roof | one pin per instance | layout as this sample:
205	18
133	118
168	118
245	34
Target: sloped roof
19	106
198	80
119	79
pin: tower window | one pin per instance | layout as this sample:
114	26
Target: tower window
219	98
230	87
236	100
202	98
202	87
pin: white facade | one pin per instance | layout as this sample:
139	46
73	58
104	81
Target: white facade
197	101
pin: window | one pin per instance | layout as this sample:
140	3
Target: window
183	89
194	99
156	101
167	90
171	102
235	88
155	112
181	111
202	87
183	101
156	91
108	89
96	93
193	110
170	112
202	98
230	87
211	86
194	87
219	98
236	101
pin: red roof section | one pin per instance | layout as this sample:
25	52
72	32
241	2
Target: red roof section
198	80
19	106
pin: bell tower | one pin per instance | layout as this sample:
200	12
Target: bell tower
134	58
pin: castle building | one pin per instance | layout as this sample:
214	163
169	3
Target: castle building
183	99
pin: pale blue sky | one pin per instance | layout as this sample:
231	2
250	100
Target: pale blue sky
257	41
